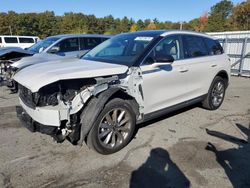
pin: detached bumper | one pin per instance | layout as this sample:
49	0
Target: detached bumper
32	125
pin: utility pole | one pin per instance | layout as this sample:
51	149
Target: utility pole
181	25
10	30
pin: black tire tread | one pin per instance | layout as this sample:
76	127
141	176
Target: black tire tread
91	140
206	103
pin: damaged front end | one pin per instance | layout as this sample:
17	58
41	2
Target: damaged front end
56	108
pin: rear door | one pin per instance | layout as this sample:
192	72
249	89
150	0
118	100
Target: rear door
198	63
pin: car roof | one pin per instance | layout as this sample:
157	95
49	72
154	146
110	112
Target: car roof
163	33
168	32
80	35
152	33
18	36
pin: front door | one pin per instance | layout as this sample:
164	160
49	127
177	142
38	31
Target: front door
165	85
69	47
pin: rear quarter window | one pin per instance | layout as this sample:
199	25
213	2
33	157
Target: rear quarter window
0	40
26	40
10	39
214	47
194	46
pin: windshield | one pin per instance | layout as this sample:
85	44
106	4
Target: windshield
122	49
43	44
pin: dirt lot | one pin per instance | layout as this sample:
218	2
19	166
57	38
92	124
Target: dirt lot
189	148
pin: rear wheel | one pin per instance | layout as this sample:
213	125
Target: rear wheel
216	94
113	128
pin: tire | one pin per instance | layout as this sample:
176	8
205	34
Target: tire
216	94
113	128
9	84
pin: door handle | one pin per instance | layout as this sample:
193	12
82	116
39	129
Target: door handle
182	70
214	65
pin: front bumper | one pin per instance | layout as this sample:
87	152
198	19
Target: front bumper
32	125
49	115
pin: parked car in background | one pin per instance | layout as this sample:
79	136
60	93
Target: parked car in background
55	48
12	54
70	45
130	78
13	48
18	41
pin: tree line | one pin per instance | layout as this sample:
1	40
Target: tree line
223	16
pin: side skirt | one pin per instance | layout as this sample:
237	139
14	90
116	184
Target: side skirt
159	113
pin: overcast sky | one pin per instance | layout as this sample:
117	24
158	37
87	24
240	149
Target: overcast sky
163	10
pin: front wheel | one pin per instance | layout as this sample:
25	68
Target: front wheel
216	94
113	128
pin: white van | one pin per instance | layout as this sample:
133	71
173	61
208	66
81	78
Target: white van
18	41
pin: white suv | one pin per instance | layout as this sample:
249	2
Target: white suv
128	79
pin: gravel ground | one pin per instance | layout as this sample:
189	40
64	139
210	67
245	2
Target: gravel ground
189	148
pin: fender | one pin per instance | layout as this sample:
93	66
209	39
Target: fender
94	107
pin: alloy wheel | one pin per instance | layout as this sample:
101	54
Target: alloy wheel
218	94
114	128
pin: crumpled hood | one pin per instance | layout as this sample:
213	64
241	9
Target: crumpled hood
35	59
37	76
8	53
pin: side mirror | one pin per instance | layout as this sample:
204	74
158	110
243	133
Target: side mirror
41	49
163	60
54	50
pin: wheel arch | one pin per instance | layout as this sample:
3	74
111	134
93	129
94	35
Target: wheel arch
224	75
95	106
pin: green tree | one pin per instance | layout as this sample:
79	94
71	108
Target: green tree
47	24
151	26
224	7
141	25
134	28
8	20
124	25
75	22
109	25
240	19
219	14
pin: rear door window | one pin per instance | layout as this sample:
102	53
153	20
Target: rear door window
0	39
213	46
89	43
194	46
69	45
26	40
10	39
